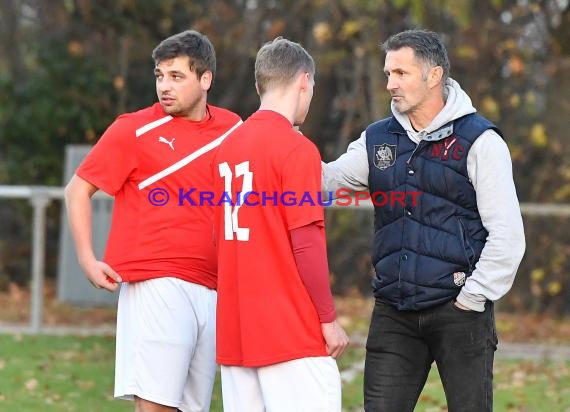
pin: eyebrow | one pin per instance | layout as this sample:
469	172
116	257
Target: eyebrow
395	69
157	70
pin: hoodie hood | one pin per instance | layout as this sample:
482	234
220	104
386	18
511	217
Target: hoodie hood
457	104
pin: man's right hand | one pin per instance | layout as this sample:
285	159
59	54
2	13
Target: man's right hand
78	193
102	276
335	338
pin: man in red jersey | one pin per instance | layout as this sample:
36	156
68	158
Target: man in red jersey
276	328
158	248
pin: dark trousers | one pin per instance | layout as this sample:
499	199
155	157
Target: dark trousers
402	345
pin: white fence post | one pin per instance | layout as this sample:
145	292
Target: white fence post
39	200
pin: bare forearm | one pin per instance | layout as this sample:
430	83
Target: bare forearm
78	202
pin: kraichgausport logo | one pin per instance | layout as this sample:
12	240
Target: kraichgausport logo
342	197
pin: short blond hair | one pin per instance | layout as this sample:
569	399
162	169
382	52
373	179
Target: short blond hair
278	62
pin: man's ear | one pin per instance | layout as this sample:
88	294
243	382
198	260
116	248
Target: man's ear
305	79
206	80
257	89
435	76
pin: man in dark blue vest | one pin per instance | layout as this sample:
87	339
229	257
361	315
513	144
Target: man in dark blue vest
443	255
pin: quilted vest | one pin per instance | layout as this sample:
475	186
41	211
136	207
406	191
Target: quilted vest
428	233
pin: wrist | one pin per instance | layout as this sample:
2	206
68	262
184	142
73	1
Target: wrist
460	306
86	259
329	317
469	303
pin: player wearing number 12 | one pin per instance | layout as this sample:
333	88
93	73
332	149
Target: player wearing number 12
277	336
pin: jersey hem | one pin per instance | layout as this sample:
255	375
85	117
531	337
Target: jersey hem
140	278
270	361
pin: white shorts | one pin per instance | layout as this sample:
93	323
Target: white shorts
166	343
300	385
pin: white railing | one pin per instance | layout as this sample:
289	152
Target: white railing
41	196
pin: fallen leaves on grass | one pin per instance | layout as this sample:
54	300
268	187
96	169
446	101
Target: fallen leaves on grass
31	384
353	310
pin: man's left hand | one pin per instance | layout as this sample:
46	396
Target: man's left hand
460	306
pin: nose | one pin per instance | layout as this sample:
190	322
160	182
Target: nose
391	84
163	84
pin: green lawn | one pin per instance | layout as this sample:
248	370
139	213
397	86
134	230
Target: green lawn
47	373
520	386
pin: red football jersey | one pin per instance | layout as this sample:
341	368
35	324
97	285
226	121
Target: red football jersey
156	165
264	314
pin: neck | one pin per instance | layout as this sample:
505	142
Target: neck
198	111
423	116
196	116
281	101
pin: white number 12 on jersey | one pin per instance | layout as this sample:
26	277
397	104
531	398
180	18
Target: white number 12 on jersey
231	225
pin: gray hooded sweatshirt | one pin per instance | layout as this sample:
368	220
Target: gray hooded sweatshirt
490	171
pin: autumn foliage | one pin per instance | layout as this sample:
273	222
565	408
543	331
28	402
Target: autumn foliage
68	67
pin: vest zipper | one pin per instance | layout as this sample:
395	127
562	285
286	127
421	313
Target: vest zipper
420	146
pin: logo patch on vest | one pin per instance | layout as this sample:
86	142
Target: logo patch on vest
448	148
384	155
459	278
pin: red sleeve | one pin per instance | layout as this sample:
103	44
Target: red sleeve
111	161
301	177
309	248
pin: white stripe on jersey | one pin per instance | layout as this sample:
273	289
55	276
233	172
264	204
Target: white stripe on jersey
142	130
183	162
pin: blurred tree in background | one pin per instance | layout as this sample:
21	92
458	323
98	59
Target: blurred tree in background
69	67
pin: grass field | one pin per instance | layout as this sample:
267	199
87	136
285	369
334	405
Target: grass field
55	373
